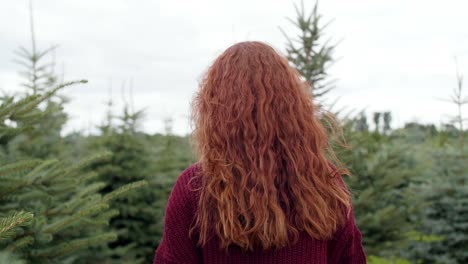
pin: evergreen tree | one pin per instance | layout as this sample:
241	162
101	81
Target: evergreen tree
387	118
361	123
38	78
459	101
444	230
376	118
173	155
50	211
446	193
382	183
158	159
137	223
309	53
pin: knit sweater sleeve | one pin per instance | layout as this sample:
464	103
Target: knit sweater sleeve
176	246
346	245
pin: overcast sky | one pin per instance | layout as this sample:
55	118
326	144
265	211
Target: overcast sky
394	56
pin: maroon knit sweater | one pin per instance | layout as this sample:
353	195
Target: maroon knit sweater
177	247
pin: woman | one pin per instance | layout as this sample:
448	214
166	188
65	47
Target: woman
264	189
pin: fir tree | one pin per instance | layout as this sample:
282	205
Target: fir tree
309	53
446	195
50	211
173	155
376	118
361	123
136	224
38	78
387	118
443	230
383	175
459	101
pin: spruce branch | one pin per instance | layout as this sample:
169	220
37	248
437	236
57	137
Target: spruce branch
108	215
21	243
59	225
8	257
75	245
8	106
92	188
18	166
38	171
124	189
86	176
9	223
30	106
79	166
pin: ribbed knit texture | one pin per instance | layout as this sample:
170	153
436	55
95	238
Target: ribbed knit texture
177	247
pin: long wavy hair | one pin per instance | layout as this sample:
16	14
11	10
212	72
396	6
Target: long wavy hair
264	154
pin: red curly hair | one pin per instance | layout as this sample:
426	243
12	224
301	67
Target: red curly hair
264	154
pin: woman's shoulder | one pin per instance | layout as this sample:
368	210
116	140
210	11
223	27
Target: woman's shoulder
190	177
188	184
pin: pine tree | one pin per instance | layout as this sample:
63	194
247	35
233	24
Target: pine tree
39	77
309	53
173	155
446	194
361	123
443	232
136	224
387	118
376	118
459	101
50	211
384	173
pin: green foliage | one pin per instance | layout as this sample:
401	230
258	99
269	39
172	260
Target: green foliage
51	208
446	210
379	260
8	257
15	220
410	194
138	224
172	155
309	53
45	217
43	140
382	185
